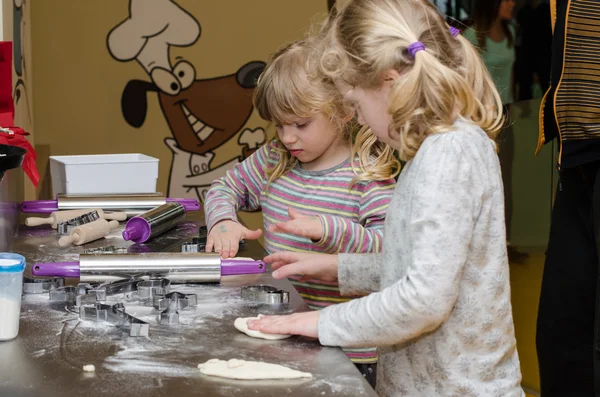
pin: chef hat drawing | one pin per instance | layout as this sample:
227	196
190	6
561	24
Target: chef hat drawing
152	27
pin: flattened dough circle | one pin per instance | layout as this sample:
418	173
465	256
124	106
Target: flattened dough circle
249	370
240	325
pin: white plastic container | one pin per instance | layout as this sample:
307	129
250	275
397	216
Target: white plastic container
104	174
11	287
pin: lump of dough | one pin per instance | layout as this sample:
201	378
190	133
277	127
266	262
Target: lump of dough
249	370
241	325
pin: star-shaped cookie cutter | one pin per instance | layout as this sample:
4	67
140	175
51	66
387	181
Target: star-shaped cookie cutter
171	303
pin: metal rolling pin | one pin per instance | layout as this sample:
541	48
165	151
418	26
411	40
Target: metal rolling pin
131	204
177	267
142	228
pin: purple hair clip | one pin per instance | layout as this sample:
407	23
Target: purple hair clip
414	48
454	31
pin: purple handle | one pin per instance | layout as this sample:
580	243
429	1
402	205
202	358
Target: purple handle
56	269
188	204
39	206
232	267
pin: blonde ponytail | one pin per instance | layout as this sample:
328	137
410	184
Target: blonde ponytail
437	85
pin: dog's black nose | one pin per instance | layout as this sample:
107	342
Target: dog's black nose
248	74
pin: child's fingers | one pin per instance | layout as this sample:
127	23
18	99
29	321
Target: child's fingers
277	265
295	324
210	242
284	226
228	248
269	324
218	245
288	226
295	214
295	227
300	268
225	244
251	234
235	246
277	228
286	257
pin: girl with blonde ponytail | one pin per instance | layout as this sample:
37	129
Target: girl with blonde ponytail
440	308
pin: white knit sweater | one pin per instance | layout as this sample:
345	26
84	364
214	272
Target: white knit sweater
442	317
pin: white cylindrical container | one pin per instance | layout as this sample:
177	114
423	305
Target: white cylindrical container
11	287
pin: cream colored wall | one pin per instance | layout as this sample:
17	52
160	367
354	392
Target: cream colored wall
78	85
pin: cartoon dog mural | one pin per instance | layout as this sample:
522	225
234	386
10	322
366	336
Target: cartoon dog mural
202	114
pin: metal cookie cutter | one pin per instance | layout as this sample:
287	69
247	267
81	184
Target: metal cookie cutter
196	245
98	293
70	293
171	303
85	294
148	289
111	249
65	228
64	294
41	285
265	294
114	314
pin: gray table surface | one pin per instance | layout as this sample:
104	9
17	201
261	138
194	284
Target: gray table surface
47	357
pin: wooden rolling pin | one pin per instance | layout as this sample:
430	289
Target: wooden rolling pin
61	216
88	232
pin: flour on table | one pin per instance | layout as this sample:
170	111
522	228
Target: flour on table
241	325
249	370
9	313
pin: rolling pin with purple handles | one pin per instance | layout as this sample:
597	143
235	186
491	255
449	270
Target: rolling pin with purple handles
178	267
131	204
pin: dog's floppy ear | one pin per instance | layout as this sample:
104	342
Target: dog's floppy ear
248	74
134	103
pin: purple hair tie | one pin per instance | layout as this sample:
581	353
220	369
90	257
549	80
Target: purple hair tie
414	48
454	31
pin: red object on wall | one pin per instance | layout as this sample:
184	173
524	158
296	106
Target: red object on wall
12	135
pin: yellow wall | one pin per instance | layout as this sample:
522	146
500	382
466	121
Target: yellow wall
78	85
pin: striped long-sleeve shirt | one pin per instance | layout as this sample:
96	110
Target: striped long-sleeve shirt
352	219
570	109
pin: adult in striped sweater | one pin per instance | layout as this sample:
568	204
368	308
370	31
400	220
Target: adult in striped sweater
568	324
317	191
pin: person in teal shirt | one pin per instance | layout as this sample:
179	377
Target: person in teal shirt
493	34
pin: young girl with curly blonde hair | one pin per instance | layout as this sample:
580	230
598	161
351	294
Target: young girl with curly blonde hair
317	191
